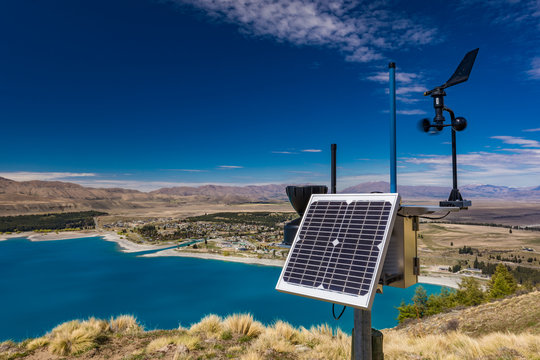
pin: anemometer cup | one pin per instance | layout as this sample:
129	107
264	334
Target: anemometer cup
459	123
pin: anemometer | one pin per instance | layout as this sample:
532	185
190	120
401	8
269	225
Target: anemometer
457	123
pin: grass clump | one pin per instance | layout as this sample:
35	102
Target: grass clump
76	336
210	326
243	325
456	345
190	342
337	346
72	343
37	343
125	324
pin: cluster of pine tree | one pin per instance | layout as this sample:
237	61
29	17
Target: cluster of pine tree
151	232
470	293
465	250
522	274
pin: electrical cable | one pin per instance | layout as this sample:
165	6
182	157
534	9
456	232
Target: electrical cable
425	217
437	218
334	314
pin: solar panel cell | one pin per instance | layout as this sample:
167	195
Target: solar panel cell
337	249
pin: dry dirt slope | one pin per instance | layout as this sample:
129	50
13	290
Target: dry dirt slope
514	314
506	329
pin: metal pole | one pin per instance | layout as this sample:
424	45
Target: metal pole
454	159
362	335
333	149
393	177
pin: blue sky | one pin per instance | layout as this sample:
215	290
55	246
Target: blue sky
152	93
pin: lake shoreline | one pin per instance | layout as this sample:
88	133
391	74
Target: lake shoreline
127	246
124	244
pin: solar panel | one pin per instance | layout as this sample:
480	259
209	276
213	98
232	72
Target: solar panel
339	249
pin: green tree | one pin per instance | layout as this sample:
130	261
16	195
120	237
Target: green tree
441	302
406	311
469	292
502	283
420	300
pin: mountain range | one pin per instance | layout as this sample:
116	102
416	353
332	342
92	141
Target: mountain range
17	197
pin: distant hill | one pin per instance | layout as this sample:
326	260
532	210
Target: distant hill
227	194
441	192
21	197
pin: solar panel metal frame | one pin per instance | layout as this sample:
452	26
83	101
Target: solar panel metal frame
358	301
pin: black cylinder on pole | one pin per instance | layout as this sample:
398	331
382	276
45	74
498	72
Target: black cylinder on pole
333	149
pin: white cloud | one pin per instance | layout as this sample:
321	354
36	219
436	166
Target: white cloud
404	93
407	100
362	31
513	140
403	90
187	170
44	176
300	172
230	167
282	152
401	77
510	167
532	130
534	71
411	112
311	150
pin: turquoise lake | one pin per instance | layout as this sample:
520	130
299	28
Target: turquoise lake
45	283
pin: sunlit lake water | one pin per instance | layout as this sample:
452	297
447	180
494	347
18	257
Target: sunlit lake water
45	283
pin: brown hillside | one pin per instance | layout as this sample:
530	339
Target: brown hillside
515	314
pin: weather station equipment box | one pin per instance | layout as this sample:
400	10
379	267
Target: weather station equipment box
402	266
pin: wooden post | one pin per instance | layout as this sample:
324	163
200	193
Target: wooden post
361	335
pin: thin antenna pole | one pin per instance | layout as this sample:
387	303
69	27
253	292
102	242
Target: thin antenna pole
333	149
393	176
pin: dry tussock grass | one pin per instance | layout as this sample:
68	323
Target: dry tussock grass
124	324
456	345
189	341
270	341
72	342
76	336
210	326
250	340
243	324
286	331
37	343
325	343
251	355
319	342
